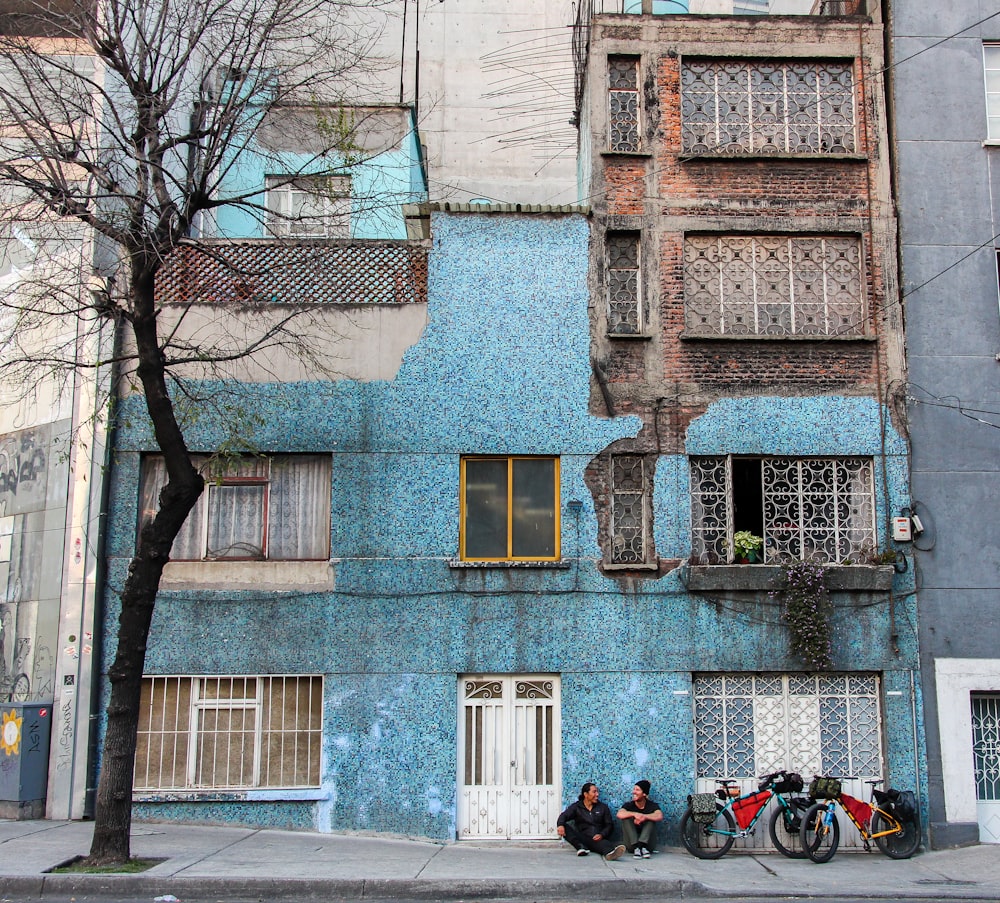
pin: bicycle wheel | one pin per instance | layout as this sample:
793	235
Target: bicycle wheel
711	841
785	825
900	845
819	834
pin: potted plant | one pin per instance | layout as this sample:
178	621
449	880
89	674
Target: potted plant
747	546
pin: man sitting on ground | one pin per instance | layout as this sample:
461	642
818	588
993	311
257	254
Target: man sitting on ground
638	818
587	824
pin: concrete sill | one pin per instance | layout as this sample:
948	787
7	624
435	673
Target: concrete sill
844	578
237	575
710	157
522	565
270	794
727	337
635	153
644	566
630	336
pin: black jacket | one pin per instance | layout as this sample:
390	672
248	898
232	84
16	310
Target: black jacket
588	822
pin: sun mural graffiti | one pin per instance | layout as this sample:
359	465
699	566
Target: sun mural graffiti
10	738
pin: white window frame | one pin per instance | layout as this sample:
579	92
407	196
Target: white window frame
991	85
308	206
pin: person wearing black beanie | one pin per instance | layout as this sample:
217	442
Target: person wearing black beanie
639	817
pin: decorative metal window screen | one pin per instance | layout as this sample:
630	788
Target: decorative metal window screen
986	745
623	103
628	509
756	107
229	732
746	725
773	285
624	303
376	271
814	508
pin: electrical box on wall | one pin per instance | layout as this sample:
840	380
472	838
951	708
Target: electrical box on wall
901	529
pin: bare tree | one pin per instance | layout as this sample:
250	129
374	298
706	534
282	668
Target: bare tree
120	123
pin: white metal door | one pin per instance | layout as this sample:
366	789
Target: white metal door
748	725
986	753
508	757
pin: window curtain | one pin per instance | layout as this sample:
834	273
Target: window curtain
299	516
294	506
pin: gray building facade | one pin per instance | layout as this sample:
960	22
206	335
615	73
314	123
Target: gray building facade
946	93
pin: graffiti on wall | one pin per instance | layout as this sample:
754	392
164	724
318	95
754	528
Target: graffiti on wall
24	469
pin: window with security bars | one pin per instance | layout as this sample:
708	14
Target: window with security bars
986	745
747	725
747	107
820	509
623	104
229	732
629	509
253	508
624	296
773	285
308	207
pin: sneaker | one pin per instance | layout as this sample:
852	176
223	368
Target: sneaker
583	851
645	853
615	853
638	853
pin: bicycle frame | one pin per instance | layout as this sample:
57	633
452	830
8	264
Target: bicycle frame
863	825
760	804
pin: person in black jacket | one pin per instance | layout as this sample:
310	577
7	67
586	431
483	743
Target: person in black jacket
587	824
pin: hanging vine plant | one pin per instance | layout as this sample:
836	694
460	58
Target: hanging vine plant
808	612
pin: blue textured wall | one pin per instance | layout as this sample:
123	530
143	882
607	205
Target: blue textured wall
503	366
380	185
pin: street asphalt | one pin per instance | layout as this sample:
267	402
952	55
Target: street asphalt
230	863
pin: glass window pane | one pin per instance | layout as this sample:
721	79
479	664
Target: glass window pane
236	521
534	516
486	508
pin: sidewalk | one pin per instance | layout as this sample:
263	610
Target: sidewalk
228	864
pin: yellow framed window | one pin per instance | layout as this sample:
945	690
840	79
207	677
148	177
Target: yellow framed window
509	508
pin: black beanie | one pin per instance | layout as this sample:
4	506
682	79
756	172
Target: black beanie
643	786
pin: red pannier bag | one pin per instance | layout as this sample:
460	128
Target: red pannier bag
745	809
858	808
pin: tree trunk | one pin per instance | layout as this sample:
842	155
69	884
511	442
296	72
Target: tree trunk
113	816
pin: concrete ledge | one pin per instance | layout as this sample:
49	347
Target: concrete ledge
949	835
771	577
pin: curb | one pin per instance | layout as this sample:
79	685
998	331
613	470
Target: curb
306	889
192	890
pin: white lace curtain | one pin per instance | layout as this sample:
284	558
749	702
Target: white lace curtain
276	508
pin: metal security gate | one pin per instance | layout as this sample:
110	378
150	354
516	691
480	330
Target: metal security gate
508	757
750	725
986	755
